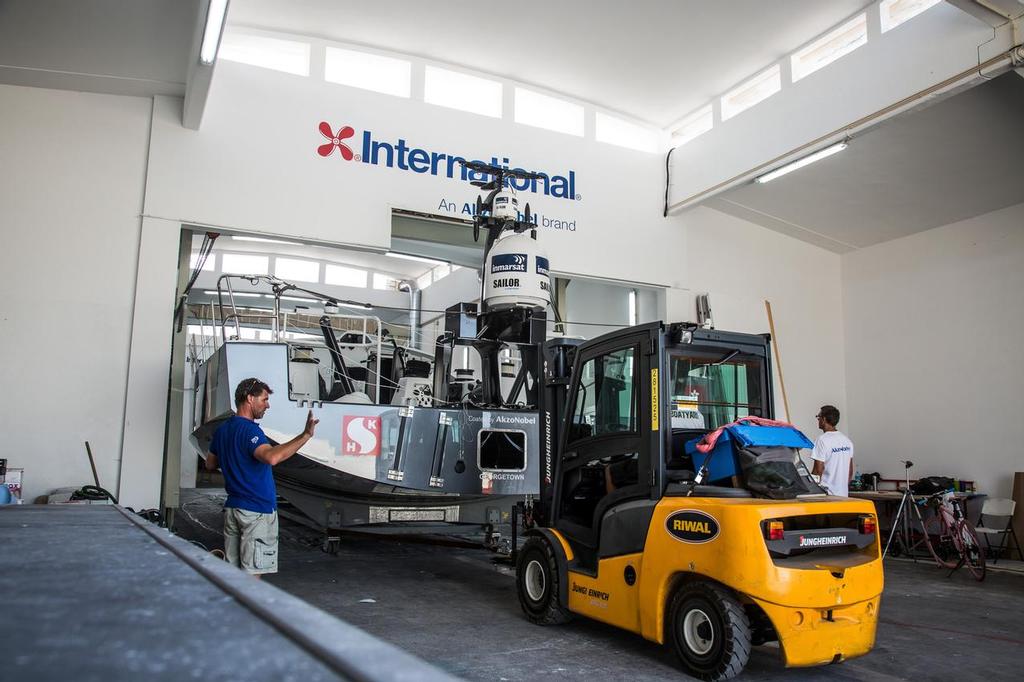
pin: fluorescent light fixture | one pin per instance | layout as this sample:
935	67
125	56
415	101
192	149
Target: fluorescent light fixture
296	298
800	163
418	259
264	239
235	293
211	34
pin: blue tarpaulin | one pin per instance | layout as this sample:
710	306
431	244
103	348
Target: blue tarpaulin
722	463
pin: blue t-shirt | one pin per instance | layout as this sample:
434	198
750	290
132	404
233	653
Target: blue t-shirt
249	482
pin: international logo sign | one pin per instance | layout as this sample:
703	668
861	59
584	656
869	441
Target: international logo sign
402	155
692	526
360	436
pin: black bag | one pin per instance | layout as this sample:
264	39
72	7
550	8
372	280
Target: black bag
930	485
772	472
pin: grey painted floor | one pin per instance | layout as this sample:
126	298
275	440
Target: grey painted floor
457	608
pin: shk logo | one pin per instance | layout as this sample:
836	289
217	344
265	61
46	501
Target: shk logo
344	133
360	436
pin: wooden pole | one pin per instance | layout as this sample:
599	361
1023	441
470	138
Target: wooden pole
778	357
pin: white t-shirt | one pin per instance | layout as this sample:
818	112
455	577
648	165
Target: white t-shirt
836	451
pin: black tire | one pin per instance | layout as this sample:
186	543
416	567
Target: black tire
709	630
537	584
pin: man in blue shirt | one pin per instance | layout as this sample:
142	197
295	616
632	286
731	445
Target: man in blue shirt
246	456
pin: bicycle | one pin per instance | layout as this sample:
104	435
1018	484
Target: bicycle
956	542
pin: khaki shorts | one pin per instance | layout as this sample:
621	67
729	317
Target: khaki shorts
250	540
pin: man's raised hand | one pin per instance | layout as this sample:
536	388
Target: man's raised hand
310	425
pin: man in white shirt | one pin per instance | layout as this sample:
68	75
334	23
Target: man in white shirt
833	454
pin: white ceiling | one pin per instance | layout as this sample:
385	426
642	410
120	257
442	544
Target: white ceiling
121	47
952	160
654	60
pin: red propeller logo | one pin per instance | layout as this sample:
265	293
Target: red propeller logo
344	133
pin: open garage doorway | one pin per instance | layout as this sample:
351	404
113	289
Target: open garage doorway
384	305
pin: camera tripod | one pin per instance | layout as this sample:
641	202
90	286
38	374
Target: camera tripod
903	513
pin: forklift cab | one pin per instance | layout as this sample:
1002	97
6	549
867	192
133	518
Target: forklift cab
636	396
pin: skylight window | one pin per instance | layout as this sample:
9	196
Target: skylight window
368	71
341	276
243	264
535	109
757	89
895	12
297	270
461	91
624	134
441	271
207	266
289	56
830	47
694	125
381	281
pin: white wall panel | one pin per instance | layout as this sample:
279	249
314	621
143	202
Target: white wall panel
73	168
933	328
741	265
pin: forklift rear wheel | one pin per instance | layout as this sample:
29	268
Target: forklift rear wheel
710	631
537	584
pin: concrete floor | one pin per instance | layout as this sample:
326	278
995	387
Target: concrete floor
457	608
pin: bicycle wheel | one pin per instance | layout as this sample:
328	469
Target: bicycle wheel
966	540
936	534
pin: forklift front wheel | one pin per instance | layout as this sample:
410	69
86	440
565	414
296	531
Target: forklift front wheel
537	584
710	631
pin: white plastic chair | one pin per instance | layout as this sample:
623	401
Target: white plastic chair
997	519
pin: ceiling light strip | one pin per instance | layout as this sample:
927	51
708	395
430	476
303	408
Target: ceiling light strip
800	163
215	15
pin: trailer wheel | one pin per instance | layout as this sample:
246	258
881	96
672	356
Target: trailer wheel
710	631
537	584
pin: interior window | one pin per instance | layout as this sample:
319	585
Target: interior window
606	401
712	389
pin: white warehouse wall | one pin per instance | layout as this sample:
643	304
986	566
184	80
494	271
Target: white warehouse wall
933	329
741	265
74	169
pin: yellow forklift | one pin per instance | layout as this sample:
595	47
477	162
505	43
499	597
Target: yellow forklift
711	552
